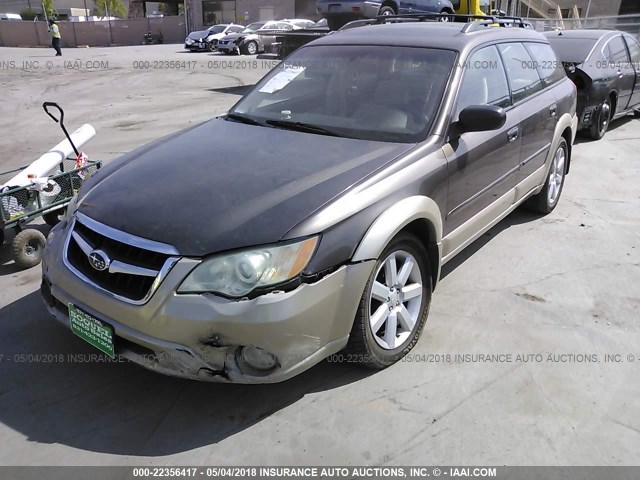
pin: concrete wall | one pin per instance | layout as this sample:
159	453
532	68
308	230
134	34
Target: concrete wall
94	34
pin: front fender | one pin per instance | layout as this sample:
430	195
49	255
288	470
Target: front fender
396	218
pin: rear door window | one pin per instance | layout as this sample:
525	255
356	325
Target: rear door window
521	71
549	67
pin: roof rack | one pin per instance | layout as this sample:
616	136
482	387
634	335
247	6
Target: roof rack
471	25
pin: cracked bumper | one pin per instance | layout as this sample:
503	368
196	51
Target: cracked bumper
201	336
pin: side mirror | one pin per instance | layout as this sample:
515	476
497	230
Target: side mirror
480	118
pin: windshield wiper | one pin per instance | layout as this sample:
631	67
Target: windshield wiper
243	118
303	127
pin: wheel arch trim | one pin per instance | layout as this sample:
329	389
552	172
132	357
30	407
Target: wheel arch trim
395	218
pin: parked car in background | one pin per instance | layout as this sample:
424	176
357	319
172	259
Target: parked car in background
208	39
299	22
337	188
10	16
340	12
252	39
320	25
605	66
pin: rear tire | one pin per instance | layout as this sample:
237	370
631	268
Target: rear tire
397	296
545	201
601	124
386	10
28	248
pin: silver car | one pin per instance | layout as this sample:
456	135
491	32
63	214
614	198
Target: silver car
208	39
254	38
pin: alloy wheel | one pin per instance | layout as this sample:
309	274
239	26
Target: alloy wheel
395	299
556	176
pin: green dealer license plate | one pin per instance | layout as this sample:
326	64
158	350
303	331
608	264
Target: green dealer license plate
91	330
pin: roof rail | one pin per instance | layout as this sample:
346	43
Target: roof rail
472	24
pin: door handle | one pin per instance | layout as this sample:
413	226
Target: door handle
553	110
619	74
512	134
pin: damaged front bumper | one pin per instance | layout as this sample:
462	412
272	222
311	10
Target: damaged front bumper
206	337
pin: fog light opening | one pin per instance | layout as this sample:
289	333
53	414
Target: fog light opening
258	358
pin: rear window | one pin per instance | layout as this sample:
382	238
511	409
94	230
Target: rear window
549	67
521	71
572	50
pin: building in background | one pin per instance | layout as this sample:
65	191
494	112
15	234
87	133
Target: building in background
65	8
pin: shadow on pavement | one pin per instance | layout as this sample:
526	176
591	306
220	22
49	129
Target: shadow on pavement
54	388
517	217
583	135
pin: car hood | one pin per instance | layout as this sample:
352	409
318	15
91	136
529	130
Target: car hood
225	185
198	35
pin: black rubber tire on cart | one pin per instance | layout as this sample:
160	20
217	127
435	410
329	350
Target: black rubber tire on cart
52	218
28	248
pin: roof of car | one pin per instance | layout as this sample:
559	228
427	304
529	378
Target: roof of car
585	34
446	35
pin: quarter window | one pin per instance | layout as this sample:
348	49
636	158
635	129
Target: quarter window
616	51
634	48
484	81
521	70
549	67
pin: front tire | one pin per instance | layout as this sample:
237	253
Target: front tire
251	48
394	305
447	18
545	201
601	124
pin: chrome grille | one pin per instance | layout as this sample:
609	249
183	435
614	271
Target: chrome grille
129	267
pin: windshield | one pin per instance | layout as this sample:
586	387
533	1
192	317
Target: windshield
573	50
217	29
253	27
386	93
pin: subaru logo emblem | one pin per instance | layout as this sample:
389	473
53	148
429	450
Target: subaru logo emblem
99	260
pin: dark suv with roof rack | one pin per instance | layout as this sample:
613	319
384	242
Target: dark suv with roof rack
255	262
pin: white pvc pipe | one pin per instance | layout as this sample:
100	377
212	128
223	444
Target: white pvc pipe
44	165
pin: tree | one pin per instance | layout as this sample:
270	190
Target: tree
28	14
49	8
112	8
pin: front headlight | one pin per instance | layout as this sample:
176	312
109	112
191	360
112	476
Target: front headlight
237	274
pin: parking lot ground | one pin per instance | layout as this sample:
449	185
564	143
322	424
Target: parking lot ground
530	356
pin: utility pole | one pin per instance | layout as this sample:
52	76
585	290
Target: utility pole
86	11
